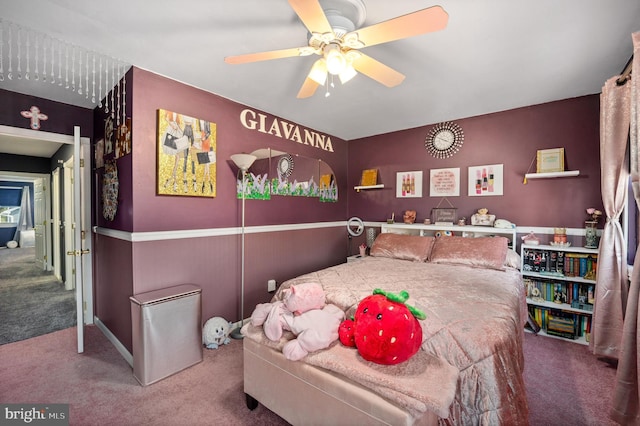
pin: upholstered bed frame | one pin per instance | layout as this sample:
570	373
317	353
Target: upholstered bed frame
301	393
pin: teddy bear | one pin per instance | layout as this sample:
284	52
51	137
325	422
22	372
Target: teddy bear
302	311
216	332
385	330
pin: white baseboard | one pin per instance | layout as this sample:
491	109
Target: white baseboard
114	340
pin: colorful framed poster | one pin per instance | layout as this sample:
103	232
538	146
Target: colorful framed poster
186	155
485	180
444	182
409	184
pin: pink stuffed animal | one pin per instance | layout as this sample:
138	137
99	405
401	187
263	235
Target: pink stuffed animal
314	328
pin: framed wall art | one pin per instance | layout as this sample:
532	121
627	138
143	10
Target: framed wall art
444	182
409	184
485	180
186	155
550	160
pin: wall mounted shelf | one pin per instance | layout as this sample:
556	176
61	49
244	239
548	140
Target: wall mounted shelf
361	187
549	175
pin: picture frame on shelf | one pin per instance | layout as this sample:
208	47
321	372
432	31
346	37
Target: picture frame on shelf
550	160
369	177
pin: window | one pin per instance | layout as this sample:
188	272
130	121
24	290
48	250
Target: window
10	214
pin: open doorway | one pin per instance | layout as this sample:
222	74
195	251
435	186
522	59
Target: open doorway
57	225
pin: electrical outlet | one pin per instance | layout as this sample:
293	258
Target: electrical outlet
271	285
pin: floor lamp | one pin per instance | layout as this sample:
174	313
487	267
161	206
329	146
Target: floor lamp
243	161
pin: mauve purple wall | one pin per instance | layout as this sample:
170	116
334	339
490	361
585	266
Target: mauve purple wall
160	213
213	263
61	117
510	138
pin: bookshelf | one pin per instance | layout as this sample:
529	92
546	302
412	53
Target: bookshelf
560	283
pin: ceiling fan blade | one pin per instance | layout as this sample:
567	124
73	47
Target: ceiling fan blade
421	22
377	70
264	56
308	88
311	15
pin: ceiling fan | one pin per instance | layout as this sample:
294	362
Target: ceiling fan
334	37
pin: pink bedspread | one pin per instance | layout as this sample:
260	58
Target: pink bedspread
475	320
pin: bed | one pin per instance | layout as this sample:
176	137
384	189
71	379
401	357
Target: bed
469	368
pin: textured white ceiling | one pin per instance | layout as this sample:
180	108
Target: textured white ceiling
494	55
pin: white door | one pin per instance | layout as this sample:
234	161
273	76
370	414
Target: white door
67	224
56	225
78	250
39	222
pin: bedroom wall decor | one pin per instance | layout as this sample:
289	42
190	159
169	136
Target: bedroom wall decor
485	180
186	155
550	160
444	182
409	184
280	173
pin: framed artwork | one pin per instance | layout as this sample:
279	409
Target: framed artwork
550	160
444	182
409	184
186	155
485	180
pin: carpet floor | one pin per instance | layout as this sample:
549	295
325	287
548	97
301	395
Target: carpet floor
566	385
32	301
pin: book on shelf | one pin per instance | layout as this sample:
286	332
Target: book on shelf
560	263
559	323
533	323
577	295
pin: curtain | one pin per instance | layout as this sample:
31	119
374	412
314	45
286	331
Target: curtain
26	221
626	402
611	279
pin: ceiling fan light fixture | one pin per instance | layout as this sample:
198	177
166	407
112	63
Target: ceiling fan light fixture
347	74
336	61
318	72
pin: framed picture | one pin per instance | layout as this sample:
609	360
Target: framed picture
409	184
550	160
186	155
444	182
485	180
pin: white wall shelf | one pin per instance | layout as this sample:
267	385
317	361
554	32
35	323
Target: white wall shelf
361	187
550	175
466	230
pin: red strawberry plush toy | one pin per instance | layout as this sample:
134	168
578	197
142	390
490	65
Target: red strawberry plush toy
385	329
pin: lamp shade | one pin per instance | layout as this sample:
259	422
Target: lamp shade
243	161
